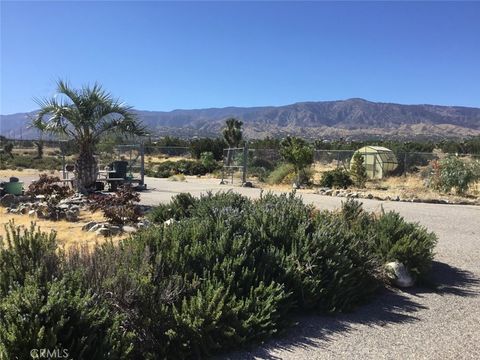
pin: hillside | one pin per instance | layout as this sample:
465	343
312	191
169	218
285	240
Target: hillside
355	118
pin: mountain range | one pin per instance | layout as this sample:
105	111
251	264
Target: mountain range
352	118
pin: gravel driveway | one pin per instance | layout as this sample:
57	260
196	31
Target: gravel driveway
414	324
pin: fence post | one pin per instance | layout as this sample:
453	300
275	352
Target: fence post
142	163
245	158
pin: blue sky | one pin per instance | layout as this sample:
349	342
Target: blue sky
164	56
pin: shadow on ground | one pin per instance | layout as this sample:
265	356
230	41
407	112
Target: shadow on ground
390	306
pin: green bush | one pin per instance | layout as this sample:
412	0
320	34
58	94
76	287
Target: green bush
31	162
208	161
58	315
454	173
336	178
42	306
395	239
358	170
228	271
185	167
283	174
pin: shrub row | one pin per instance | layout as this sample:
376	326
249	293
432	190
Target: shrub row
30	162
228	271
185	167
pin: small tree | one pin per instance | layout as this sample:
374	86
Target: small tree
233	135
7	149
358	170
299	153
233	132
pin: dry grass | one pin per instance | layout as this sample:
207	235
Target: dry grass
156	159
68	233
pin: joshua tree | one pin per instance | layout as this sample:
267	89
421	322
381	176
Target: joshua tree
233	132
85	116
299	153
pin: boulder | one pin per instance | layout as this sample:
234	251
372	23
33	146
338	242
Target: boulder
32	213
247	184
129	229
114	230
71	216
96	227
89	225
104	231
398	274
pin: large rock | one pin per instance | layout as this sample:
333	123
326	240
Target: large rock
398	274
129	229
89	225
104	231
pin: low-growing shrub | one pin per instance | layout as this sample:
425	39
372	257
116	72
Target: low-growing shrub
228	271
453	173
120	208
208	161
283	174
185	167
338	178
49	186
31	162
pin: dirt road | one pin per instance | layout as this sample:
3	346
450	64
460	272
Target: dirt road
414	324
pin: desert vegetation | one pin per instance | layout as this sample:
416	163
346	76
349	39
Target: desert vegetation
211	274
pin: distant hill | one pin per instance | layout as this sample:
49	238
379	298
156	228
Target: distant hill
355	118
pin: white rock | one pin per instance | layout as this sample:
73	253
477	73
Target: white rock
89	225
169	222
129	229
398	274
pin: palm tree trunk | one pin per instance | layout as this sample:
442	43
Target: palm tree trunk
87	171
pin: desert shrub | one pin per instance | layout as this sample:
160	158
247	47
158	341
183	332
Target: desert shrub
283	174
49	186
31	162
185	167
58	315
120	208
24	252
336	178
358	171
228	271
43	306
208	161
179	207
395	239
453	173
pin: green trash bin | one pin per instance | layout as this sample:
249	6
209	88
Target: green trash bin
14	188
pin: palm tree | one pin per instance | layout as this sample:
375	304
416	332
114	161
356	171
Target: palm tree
85	116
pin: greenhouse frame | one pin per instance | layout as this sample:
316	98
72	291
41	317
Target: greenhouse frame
378	161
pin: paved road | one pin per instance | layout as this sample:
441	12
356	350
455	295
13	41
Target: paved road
417	324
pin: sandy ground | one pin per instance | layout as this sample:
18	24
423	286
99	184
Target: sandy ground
413	324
